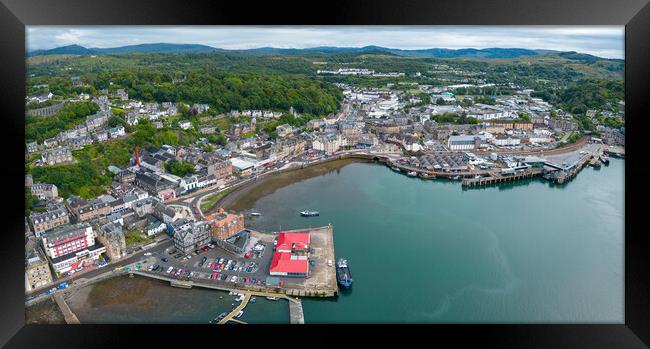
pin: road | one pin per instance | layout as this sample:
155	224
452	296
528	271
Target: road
73	280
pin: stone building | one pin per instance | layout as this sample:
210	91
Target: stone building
112	237
56	156
225	224
37	270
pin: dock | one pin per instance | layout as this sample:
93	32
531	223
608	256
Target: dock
68	315
241	306
295	313
497	178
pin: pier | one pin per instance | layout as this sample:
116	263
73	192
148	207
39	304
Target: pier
68	315
241	306
295	313
496	178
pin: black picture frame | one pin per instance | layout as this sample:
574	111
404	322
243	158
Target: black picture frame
634	14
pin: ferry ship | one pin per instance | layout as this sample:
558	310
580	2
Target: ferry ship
343	275
308	213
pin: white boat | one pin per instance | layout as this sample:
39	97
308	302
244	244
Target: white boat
255	214
241	312
412	174
308	213
272	298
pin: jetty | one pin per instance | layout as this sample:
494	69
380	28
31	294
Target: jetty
240	307
68	315
496	178
295	313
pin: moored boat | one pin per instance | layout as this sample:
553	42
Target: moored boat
343	275
412	174
308	213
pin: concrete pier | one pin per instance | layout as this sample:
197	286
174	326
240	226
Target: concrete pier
68	315
296	314
495	179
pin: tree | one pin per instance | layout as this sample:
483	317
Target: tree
179	168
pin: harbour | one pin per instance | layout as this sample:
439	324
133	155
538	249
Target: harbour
492	256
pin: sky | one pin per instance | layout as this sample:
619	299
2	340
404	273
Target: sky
602	41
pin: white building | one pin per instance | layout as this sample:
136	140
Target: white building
466	142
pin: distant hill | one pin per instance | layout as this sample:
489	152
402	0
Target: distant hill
486	53
159	47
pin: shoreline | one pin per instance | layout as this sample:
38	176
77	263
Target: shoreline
233	200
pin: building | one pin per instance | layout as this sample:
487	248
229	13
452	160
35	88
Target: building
48	220
466	142
188	236
225	224
505	141
291	255
45	191
284	130
84	210
242	167
329	143
185	124
56	156
37	270
70	245
112	237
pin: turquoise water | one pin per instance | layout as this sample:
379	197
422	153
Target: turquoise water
429	251
425	252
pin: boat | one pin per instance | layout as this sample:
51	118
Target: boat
604	159
426	175
241	312
412	174
272	298
396	169
308	213
343	275
255	214
455	178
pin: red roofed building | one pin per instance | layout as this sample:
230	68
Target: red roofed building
286	264
293	242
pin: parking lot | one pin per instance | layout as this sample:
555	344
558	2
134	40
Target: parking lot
213	263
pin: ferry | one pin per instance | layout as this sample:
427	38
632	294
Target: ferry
256	214
308	213
343	275
272	298
412	174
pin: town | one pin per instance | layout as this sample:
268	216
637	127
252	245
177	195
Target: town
160	215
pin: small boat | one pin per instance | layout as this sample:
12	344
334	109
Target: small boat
412	174
241	312
253	299
343	275
604	159
396	169
256	214
272	298
455	178
477	176
308	213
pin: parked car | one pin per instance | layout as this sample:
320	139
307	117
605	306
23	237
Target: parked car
164	259
147	254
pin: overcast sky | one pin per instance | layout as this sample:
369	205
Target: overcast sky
603	41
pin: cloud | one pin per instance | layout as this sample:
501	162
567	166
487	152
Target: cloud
604	41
